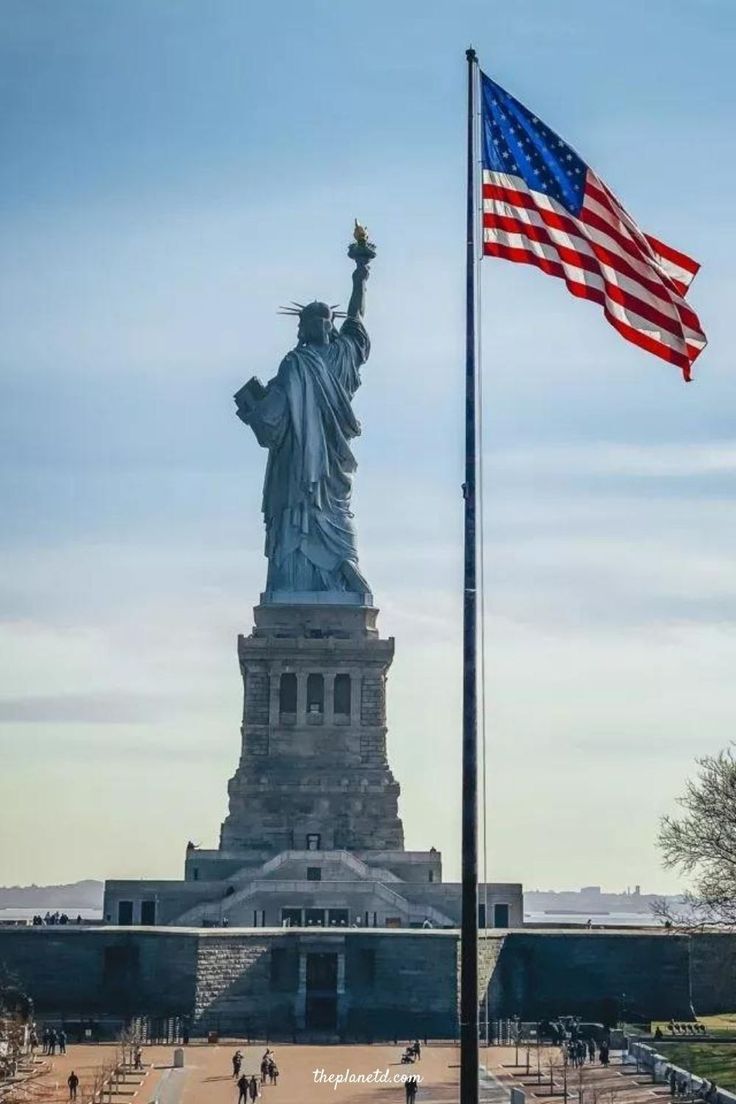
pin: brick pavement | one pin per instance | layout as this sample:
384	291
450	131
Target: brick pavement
207	1077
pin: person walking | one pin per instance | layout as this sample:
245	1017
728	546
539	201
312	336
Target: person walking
62	1041
253	1088
410	1088
243	1089
73	1083
591	1049
418	1050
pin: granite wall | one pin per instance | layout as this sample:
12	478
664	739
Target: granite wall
713	973
592	974
119	971
399	987
395	983
234	991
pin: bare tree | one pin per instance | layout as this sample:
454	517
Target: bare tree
582	1083
16	1009
702	843
555	1060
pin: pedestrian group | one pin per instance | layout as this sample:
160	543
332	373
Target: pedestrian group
249	1087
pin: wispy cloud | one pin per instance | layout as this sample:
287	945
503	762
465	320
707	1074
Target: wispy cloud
98	709
603	458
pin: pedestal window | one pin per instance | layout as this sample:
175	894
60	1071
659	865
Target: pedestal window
342	694
287	698
315	699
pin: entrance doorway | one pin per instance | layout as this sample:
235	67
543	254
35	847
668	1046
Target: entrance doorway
500	916
321	1010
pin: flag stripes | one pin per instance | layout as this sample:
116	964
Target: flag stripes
602	256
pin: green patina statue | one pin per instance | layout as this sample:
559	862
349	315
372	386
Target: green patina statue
304	417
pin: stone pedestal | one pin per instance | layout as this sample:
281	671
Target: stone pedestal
313	772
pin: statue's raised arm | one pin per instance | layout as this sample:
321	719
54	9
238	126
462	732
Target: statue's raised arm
362	252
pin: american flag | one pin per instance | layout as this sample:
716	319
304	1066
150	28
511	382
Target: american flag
543	205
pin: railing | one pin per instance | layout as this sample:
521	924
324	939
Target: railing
662	1070
213	910
271	886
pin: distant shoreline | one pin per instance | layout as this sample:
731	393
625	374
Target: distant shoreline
531	917
601	919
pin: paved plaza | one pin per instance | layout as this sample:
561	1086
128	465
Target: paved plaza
207	1076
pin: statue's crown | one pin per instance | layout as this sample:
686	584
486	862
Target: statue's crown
322	310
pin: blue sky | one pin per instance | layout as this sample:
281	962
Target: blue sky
171	173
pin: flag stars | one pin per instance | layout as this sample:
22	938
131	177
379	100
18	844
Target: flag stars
518	143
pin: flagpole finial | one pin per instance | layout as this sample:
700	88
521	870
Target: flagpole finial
471	54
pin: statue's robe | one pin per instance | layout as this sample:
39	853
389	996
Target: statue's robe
306	421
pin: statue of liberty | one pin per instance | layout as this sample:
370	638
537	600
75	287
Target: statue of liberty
304	417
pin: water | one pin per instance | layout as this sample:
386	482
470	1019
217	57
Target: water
616	919
607	919
12	914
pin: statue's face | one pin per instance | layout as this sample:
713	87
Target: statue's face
315	323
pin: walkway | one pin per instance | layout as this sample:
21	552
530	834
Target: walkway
592	1084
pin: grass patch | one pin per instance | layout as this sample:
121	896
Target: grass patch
723	1024
716	1061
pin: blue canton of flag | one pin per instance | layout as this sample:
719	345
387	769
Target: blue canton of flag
517	142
